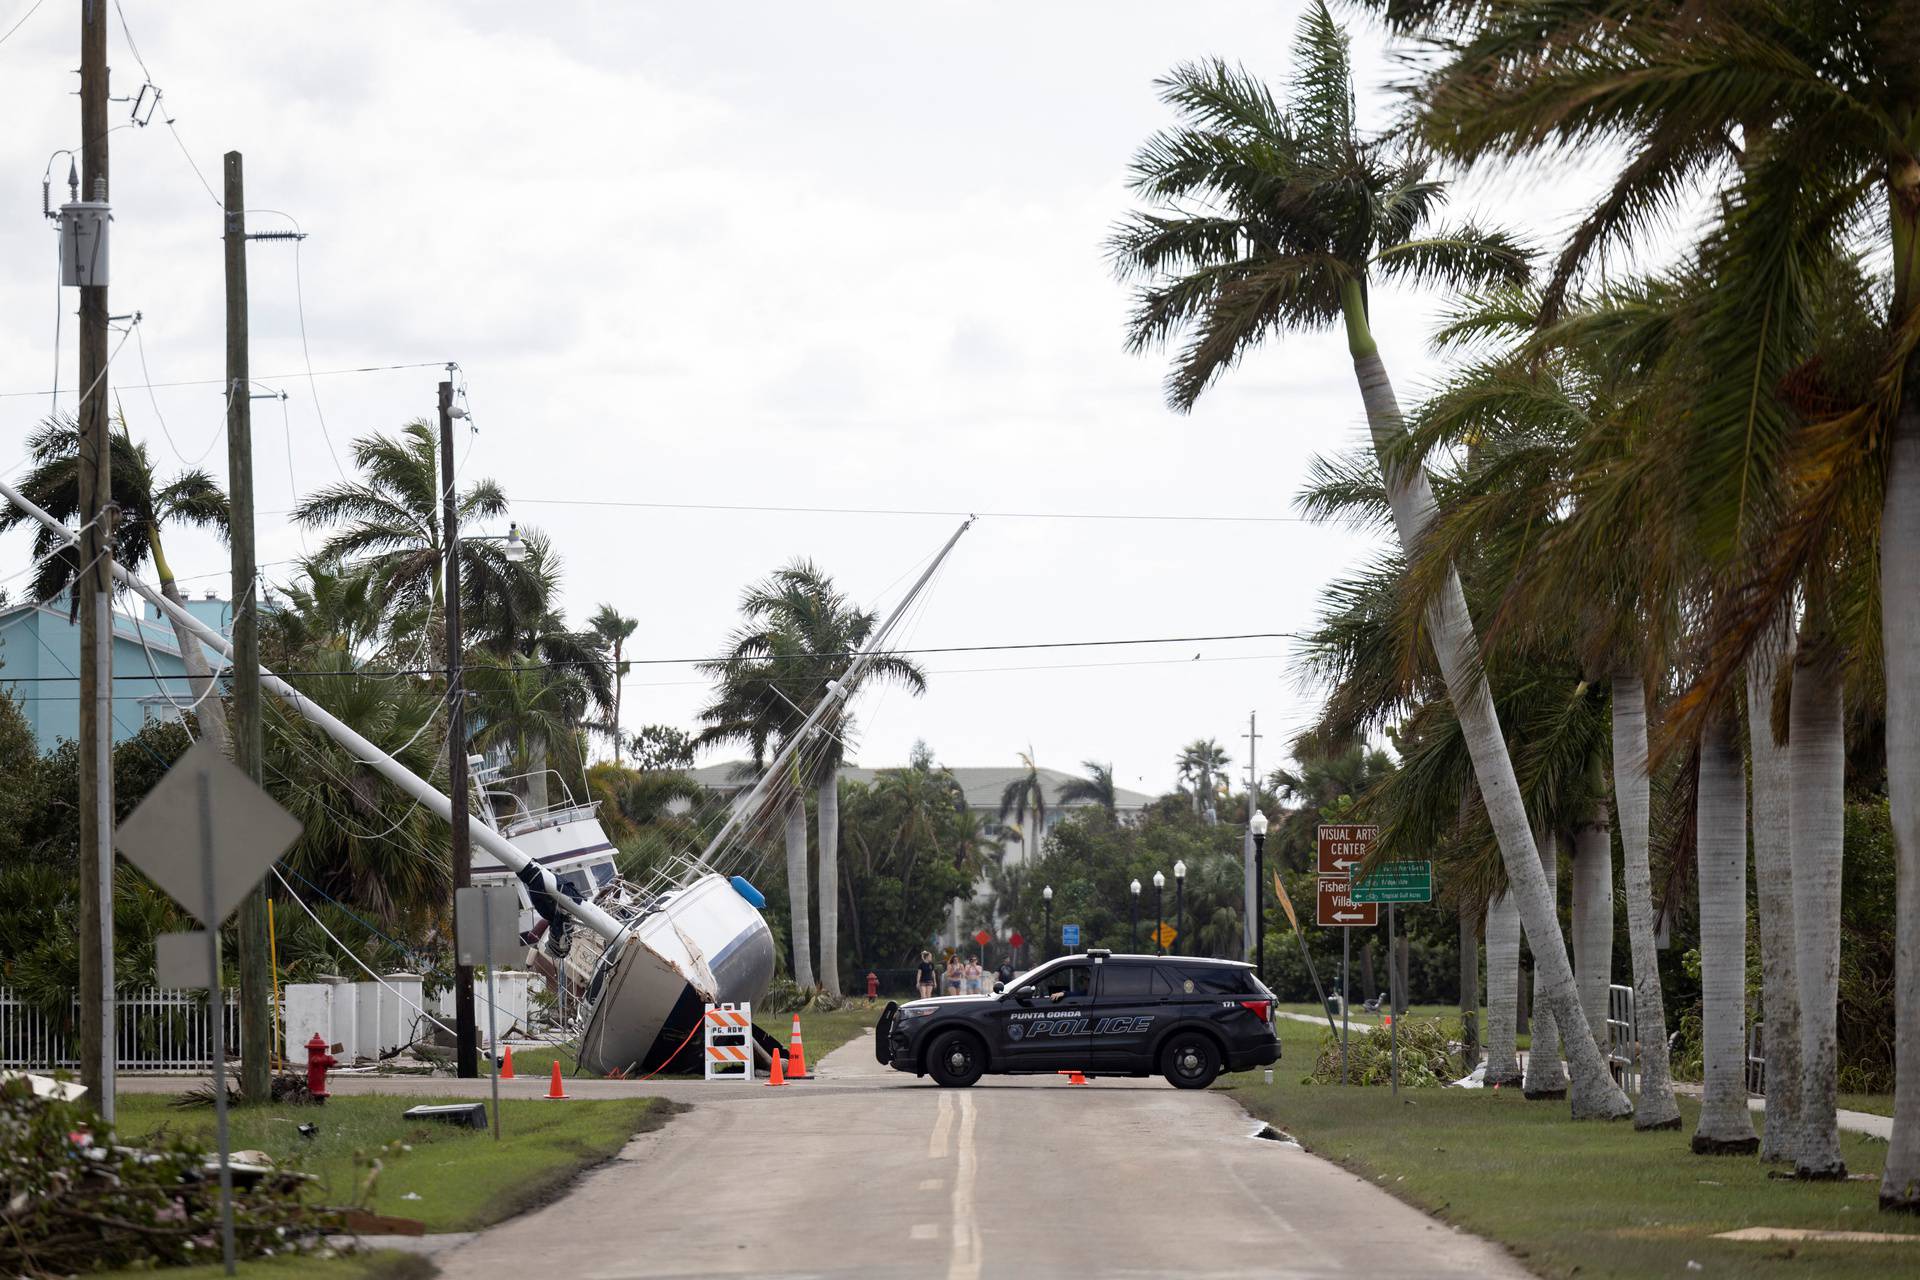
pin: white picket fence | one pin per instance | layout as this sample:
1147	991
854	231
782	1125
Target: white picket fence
154	1030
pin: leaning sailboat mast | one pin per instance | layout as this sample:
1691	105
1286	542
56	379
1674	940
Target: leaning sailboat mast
587	913
836	691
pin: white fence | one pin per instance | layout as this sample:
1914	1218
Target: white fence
154	1031
1623	1037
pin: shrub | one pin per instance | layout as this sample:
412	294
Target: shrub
1425	1056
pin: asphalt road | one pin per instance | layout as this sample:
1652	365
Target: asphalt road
865	1172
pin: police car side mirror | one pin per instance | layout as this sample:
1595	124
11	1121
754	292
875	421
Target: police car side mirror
999	987
1026	993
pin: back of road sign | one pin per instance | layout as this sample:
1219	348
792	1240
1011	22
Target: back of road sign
486	926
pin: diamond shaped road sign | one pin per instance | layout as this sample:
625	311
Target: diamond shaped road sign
167	837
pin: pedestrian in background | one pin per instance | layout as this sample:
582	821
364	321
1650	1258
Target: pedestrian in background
924	978
1005	972
955	975
973	975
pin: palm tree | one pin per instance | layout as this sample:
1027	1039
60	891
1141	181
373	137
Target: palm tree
387	525
1814	106
1201	763
147	506
613	628
1726	1126
1503	991
1096	787
1026	794
1773	890
1270	220
809	633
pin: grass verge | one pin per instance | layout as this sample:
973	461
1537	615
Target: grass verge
379	1264
1597	1199
450	1179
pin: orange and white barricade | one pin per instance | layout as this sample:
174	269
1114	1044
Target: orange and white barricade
729	1041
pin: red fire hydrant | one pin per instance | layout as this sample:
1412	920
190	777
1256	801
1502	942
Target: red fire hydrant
873	985
318	1060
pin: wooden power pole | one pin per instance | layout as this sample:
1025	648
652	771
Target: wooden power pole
256	1013
92	588
466	1031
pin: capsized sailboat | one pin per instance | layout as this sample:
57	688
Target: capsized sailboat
644	959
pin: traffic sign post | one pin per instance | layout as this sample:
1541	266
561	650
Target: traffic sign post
1343	845
173	837
1335	907
1165	934
1396	882
1069	935
486	930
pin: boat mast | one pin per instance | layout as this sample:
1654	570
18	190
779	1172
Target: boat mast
587	913
837	690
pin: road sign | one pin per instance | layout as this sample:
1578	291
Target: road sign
1335	907
1165	934
182	826
486	925
1069	935
1344	844
1397	882
983	937
1016	939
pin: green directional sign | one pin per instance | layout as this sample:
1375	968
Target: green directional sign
1396	882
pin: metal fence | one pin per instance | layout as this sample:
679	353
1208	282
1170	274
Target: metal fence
153	1030
1623	1037
1757	1059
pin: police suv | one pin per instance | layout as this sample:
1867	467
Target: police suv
1185	1018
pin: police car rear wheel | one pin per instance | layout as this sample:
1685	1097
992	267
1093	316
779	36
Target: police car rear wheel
956	1060
1191	1062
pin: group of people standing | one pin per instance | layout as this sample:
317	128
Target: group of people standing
963	977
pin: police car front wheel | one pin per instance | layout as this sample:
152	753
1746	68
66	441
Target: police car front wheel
1191	1061
956	1059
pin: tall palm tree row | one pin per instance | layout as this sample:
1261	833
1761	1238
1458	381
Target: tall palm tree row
1804	120
1026	793
1267	219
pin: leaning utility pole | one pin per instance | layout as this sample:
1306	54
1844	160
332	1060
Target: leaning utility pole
466	1032
1255	944
256	1013
93	591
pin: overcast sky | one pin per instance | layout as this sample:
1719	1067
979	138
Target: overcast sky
825	255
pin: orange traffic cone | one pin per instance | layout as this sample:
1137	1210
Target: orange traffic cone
1074	1077
775	1075
556	1089
506	1064
797	1053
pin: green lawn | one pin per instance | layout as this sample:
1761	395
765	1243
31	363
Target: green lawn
824	1032
1446	1012
458	1179
377	1265
1878	1104
1594	1198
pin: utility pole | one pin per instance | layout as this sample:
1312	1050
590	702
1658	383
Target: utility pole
1253	899
466	1031
92	588
256	1013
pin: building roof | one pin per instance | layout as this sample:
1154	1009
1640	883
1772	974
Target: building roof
982	784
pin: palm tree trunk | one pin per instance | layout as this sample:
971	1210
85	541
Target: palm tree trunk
1469	988
209	713
1593	910
1457	649
1773	888
1655	1108
828	804
537	798
619	682
1900	629
1817	753
1503	990
1726	1126
1546	1072
801	924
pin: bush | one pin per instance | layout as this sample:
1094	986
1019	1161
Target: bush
1425	1056
75	1202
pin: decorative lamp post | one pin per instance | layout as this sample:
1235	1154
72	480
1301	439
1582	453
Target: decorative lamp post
1159	913
1179	903
1258	825
1046	928
1134	936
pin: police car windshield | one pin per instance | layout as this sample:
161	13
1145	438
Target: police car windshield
1050	974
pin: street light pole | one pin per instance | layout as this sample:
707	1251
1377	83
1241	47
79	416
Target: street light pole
1133	941
1159	913
1046	927
1258	825
1179	904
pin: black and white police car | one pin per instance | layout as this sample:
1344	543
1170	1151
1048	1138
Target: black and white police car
1185	1018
